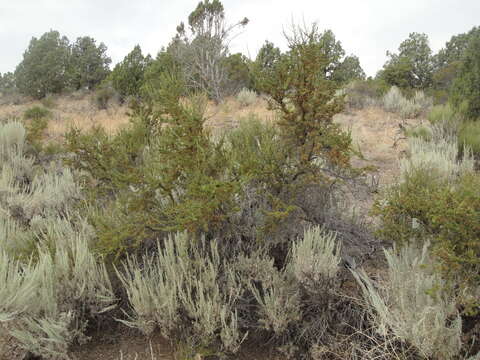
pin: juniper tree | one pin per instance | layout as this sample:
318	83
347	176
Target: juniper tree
300	88
127	76
413	65
44	67
466	88
89	64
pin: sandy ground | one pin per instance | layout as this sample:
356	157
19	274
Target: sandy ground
378	136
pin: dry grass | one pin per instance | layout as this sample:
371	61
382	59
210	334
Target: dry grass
83	114
374	131
228	114
68	112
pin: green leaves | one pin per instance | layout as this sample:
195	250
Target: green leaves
300	87
412	67
466	88
128	76
448	215
51	64
89	63
44	66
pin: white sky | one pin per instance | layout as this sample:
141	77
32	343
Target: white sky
366	28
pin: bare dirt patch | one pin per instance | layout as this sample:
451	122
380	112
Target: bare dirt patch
378	136
126	345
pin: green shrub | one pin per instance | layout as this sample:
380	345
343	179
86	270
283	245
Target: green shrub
299	87
274	200
112	162
446	212
437	200
36	126
441	113
49	101
421	131
465	92
167	173
256	152
163	173
103	96
36	113
185	168
469	136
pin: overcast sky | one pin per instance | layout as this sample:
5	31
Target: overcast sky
366	28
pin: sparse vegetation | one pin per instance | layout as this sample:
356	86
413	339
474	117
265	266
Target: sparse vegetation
421	131
36	113
103	97
234	208
416	210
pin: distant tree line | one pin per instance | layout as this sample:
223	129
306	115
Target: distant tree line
451	74
52	64
200	52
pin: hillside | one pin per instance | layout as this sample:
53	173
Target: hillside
375	134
